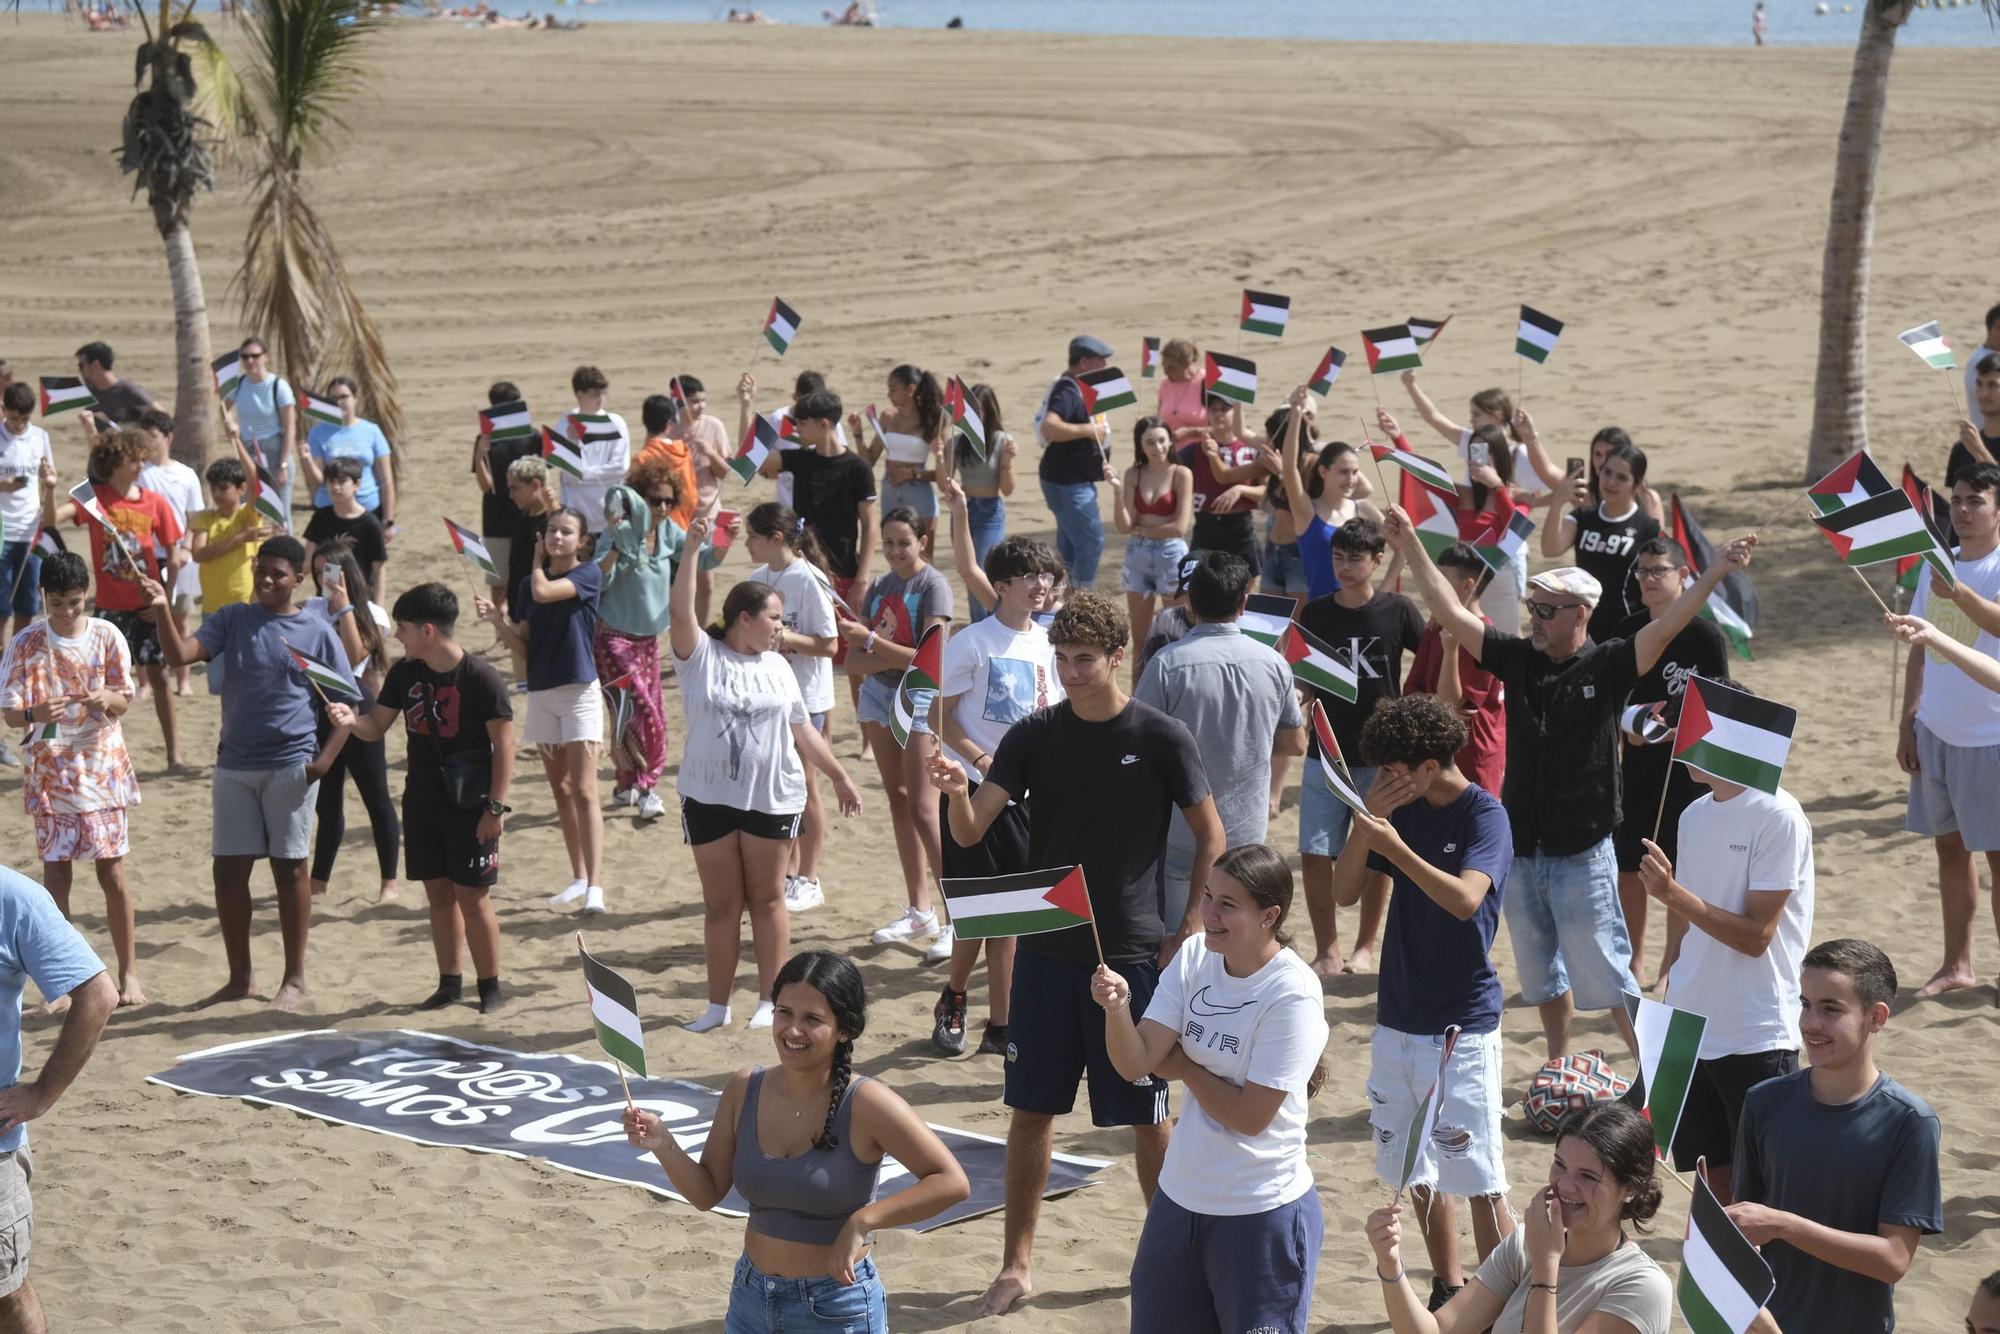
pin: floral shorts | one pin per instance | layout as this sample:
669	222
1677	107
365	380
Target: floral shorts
92	836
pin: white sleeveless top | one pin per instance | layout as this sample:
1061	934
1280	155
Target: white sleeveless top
903	448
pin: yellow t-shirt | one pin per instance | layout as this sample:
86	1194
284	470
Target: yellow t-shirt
228	577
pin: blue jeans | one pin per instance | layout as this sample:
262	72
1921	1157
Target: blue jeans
1079	529
918	496
762	1304
1324	819
1568	929
986	516
27	601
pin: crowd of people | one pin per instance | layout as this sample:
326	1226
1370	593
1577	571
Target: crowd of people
1505	775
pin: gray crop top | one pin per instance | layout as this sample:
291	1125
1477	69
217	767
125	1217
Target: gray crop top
808	1198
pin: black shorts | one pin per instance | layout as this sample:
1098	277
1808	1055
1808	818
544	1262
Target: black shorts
1004	850
441	842
1055	1033
1707	1128
142	637
702	823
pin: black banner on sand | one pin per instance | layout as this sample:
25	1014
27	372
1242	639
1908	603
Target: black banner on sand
560	1109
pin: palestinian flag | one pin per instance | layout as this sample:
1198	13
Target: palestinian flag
1266	617
1149	358
1724	1280
1669	1045
781	326
560	452
1511	544
1017	905
756	447
1535	336
1734	735
1232	377
1106	389
677	395
1855	479
1265	313
1928	341
1391	348
1643	721
925	671
1316	665
47	543
1433	517
1938	517
1424	1123
1878	529
268	498
506	421
958	403
1426	331
1433	476
323	675
65	393
614	1010
1332	764
591	428
320	409
1733	604
84	494
48	731
825	581
1327	371
469	546
228	370
788	430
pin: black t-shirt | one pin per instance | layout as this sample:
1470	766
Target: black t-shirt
1700	648
122	403
499	516
1604	550
1961	459
444	713
828	493
1071	462
1101	796
364	528
1561	790
528	530
1370	639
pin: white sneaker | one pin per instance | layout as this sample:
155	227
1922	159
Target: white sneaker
593	899
761	1017
622	796
650	806
912	925
576	890
8	757
940	949
802	892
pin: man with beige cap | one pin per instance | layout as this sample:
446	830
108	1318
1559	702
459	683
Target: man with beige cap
1561	792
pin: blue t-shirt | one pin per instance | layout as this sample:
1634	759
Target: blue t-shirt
257	407
1436	970
1071	462
267	703
560	634
35	942
362	442
1316	554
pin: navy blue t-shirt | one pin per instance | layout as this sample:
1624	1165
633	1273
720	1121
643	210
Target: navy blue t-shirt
1436	970
560	633
1070	462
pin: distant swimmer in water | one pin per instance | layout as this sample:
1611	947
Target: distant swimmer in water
756	16
1757	24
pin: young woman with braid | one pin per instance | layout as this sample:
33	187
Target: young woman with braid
803	1143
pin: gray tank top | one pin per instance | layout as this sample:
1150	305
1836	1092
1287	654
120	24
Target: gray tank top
808	1198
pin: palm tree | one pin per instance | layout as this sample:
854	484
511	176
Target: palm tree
1840	416
306	57
165	150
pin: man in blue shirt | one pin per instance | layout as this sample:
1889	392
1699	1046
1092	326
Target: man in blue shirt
1444	844
1073	462
36	942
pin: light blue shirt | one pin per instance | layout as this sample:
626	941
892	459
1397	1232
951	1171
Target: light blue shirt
364	443
267	704
257	406
35	942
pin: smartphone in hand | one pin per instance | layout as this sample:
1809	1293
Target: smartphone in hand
1573	465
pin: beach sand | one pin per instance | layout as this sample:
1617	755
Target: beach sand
511	204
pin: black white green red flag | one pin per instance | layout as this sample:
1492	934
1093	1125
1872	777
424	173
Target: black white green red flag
964	414
781	326
1025	904
1318	666
1535	336
1511	543
1432	475
65	393
468	545
1265	617
591	428
1149	357
1669	1044
1880	528
323	675
1724	1280
1424	1123
1391	348
561	453
1732	604
1854	479
756	447
1234	378
924	673
506	421
268	498
1734	735
1928	342
1265	313
1426	331
1106	390
228	369
614	1012
319	409
1327	371
1333	770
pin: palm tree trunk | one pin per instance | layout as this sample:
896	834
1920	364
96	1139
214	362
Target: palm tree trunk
1840	415
196	416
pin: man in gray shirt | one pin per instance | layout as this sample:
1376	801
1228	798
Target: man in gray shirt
1236	696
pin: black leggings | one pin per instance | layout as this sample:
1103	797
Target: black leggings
368	762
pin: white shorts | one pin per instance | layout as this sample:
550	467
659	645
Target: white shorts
565	713
1464	1155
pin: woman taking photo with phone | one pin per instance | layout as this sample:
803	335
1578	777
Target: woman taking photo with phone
1607	535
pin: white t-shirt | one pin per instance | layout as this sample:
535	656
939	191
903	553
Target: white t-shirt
605	462
740	709
1000	676
784	479
21	456
808	611
1268	1029
1958	710
1753	841
1525	475
181	487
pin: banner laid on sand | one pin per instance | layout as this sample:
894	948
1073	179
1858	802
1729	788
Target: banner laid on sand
561	1109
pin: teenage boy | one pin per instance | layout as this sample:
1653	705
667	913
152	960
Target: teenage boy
461	750
1099	773
1564	695
345	516
1983	1316
1228	484
1459	680
997	671
119	400
181	485
1368	630
1978	435
1439	846
498	515
148	545
268	760
606	447
1837	1164
1073	462
706	442
224	546
1949	742
69	681
1979	354
23	446
657	414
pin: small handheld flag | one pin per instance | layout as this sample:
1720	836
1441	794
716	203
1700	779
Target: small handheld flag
1426	331
1391	348
1725	1281
65	393
1434	519
1333	768
614	1013
268	499
1232	377
781	326
561	453
1106	389
321	676
1929	343
228	369
84	494
1316	665
1734	735
1327	371
320	409
1149	359
1644	722
590	428
1535	337
1265	618
1431	475
923	673
1669	1042
756	447
1881	528
1026	904
1510	544
469	546
1733	604
1854	479
1265	313
506	421
1424	1123
964	416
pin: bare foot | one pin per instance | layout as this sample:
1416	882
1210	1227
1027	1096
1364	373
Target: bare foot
291	995
1362	960
1948	979
1328	964
229	991
1009	1288
56	1006
388	893
128	991
318	888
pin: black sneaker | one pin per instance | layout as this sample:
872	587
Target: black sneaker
994	1043
948	1033
1441	1292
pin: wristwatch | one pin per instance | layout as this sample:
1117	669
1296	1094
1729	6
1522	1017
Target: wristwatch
497	808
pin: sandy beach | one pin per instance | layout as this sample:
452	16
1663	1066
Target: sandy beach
513	203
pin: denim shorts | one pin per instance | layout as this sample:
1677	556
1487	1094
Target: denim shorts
1323	817
1463	1156
1153	565
23	587
1284	571
878	705
760	1303
1227	1271
1567	928
918	496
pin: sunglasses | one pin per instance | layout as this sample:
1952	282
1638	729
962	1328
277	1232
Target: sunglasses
1548	611
660	500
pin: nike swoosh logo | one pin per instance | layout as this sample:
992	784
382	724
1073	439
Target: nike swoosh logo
1201	1005
1130	759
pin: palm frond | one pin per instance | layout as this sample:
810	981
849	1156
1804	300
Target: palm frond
308	59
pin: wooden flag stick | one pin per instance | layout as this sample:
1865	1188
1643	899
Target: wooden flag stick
1661	813
622	1084
1871	590
1380	476
324	701
1096	939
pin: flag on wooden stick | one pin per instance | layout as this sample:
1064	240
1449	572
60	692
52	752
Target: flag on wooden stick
1149	359
1106	389
756	447
1734	735
1327	371
1929	343
506	421
924	673
1391	348
614	1012
1535	336
1724	1280
323	675
1265	313
1424	1123
561	453
65	393
1232	377
781	326
1026	904
1669	1044
469	546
